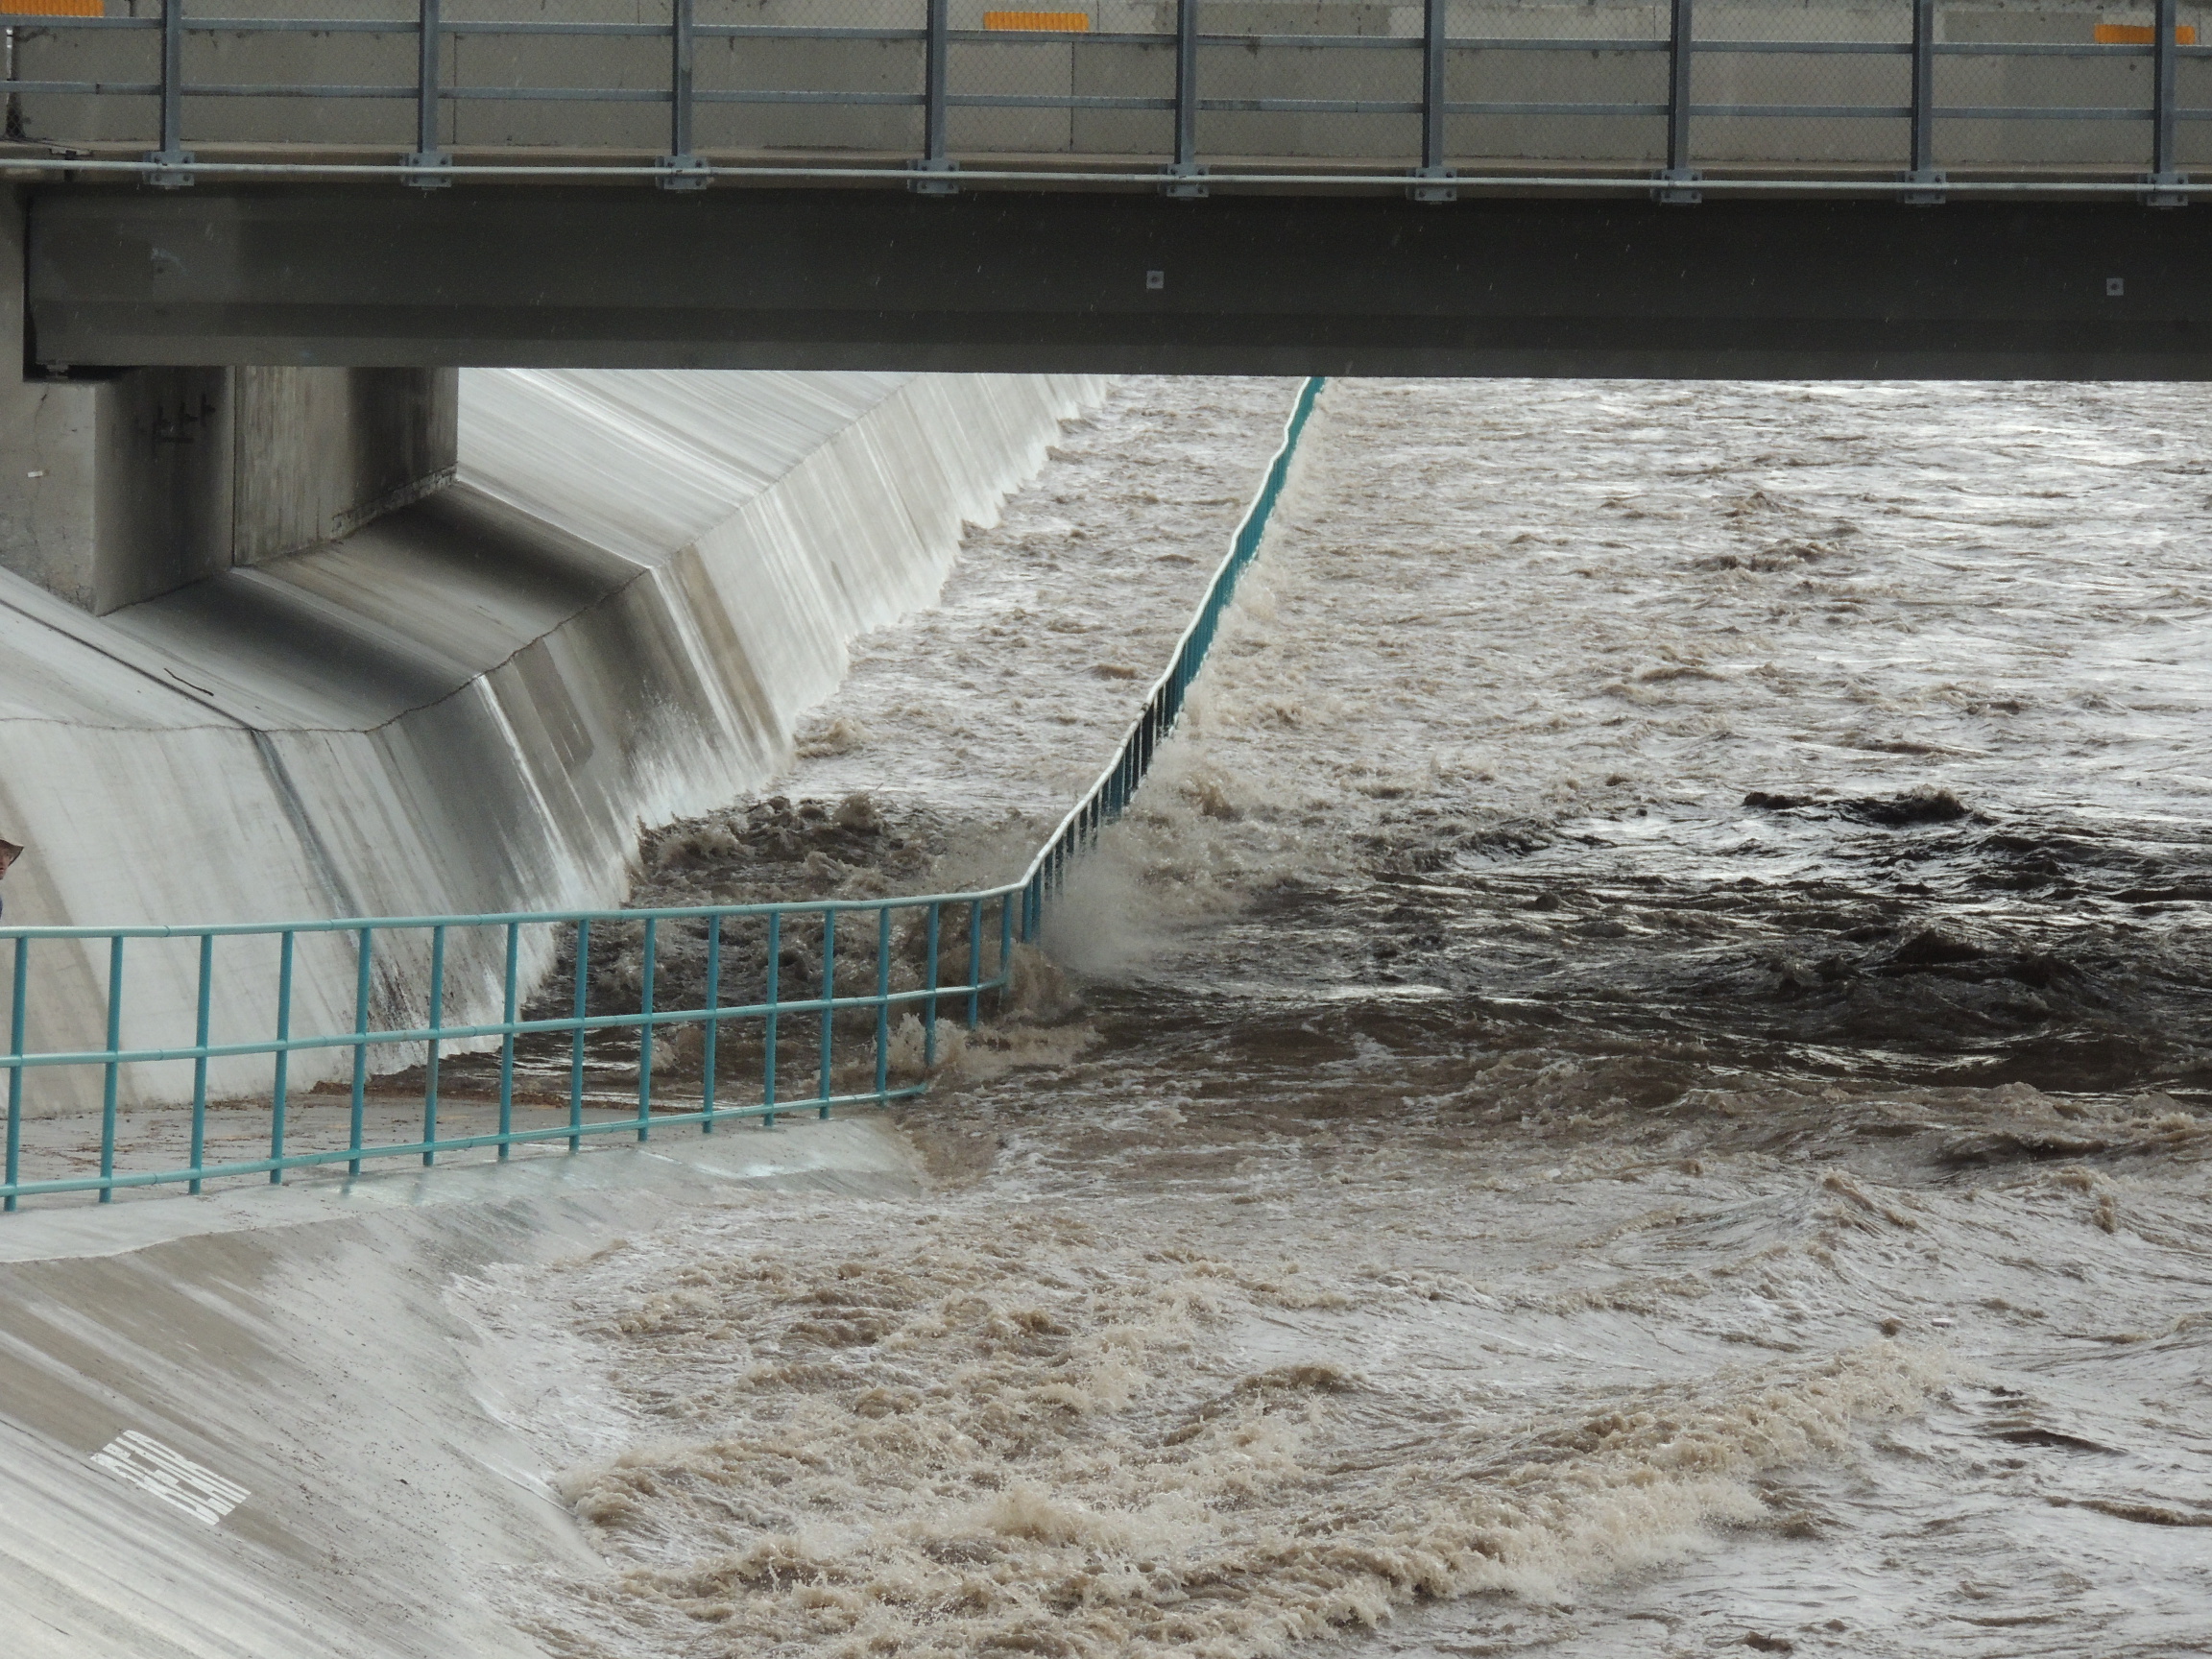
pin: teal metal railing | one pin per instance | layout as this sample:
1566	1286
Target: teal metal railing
875	963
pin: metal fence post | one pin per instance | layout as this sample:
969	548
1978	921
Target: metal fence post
974	962
829	1004
768	1033
200	1030
17	1001
645	1030
686	170
1184	173
1681	58
882	1001
430	1054
1924	169
507	1041
1435	17
936	46
280	1089
174	162
929	1006
362	964
710	1038
2164	177
430	164
112	1080
580	1002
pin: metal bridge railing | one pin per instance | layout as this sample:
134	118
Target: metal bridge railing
874	965
1458	92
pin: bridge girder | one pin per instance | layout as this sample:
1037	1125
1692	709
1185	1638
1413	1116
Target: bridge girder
550	276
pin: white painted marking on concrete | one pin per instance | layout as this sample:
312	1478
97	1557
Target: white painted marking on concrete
170	1476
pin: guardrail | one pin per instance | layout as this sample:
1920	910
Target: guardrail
908	957
1620	93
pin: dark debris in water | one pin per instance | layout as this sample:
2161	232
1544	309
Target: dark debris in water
1905	936
1915	807
772	850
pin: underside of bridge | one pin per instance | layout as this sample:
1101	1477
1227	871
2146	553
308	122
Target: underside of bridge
547	275
225	374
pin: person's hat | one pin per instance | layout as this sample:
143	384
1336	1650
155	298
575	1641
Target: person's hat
9	854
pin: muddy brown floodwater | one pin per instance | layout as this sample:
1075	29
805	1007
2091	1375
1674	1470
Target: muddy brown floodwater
1636	1082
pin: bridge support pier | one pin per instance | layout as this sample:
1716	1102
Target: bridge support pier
120	483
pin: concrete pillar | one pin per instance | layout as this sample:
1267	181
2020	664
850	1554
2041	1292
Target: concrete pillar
118	487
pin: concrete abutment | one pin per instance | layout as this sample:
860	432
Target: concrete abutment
117	485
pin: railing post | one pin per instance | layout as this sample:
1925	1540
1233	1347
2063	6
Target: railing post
200	1030
1184	173
580	1001
1924	170
281	1088
929	1007
936	47
2164	176
1681	58
645	1032
429	166
430	1053
113	1076
173	161
829	1003
17	1003
710	1040
361	960
507	1041
974	962
768	1040
1435	17
686	170
882	1001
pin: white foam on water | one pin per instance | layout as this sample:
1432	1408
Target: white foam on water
1507	1192
969	1430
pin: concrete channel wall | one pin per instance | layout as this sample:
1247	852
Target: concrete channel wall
637	583
1587	71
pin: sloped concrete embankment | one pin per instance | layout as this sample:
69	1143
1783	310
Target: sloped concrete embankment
253	1426
637	584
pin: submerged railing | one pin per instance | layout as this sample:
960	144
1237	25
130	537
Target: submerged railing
878	964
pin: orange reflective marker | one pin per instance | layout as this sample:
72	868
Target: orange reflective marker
2121	33
1056	22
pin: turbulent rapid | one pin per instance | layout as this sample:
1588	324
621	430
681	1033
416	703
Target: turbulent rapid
1635	1082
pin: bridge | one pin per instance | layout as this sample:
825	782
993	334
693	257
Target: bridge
290	219
1675	188
255	243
